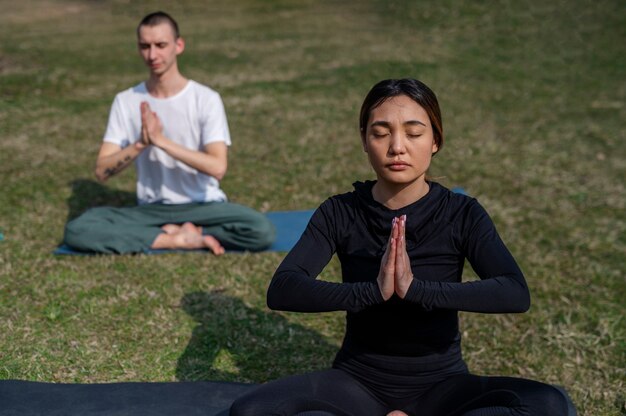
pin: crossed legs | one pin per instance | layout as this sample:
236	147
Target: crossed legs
334	392
215	226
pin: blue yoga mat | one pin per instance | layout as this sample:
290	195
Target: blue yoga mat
289	227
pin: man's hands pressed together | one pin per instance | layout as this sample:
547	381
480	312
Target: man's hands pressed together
151	127
211	160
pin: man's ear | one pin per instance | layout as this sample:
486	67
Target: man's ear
180	45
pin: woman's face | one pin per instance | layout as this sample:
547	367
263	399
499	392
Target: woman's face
399	141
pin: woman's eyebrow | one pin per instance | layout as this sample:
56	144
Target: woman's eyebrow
388	124
381	123
414	123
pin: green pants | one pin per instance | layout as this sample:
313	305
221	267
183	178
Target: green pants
134	229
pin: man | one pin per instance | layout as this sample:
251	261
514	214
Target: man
176	133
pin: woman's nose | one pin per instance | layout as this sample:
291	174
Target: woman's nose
396	146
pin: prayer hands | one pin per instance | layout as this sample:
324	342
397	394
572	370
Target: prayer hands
151	127
395	274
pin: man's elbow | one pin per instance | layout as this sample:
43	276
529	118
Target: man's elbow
101	175
219	172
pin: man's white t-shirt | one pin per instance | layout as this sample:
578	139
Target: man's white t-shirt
193	118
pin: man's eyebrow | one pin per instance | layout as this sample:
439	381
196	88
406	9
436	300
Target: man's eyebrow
162	42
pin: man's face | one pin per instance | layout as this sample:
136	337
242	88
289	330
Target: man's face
159	47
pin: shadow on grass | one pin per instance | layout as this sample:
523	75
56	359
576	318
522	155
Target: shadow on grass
234	342
88	194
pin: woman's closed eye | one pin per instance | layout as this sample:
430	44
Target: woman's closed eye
380	133
414	133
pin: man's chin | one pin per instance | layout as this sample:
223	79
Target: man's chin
158	70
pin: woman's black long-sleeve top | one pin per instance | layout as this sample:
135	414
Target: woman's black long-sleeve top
442	230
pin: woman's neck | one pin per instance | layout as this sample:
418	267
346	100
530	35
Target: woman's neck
396	196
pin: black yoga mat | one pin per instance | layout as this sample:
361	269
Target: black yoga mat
206	398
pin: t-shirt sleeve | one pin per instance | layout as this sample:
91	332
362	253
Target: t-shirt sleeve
117	131
214	127
502	287
295	286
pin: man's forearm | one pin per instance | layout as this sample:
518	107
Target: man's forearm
107	166
206	163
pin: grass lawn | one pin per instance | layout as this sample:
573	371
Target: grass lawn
533	96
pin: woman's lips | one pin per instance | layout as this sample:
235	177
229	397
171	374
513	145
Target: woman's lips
398	165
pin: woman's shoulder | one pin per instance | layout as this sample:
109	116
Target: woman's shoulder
454	195
455	203
340	211
339	203
464	212
358	199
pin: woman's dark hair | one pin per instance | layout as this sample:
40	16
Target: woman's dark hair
158	18
412	88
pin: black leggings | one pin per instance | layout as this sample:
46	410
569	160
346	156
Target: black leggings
335	393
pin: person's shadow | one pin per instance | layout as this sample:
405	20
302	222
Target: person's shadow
245	343
88	194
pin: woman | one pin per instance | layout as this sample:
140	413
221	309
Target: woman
402	241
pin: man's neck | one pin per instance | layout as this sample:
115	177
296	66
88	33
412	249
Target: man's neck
166	85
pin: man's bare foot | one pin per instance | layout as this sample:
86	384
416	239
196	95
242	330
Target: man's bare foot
176	228
171	228
212	244
186	237
191	228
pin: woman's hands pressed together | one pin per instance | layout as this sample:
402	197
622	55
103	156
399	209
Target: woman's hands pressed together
395	274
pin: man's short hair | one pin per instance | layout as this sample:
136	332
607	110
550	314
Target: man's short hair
158	18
